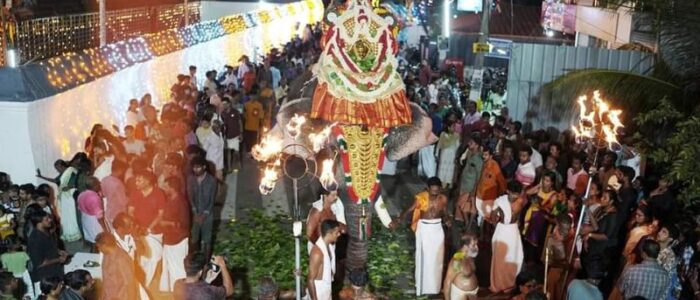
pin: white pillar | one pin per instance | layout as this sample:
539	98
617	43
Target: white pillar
187	14
446	18
103	22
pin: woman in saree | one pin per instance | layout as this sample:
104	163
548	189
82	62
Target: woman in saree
538	215
643	225
66	182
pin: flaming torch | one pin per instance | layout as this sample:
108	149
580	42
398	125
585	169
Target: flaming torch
269	151
294	126
267	183
319	139
327	177
597	127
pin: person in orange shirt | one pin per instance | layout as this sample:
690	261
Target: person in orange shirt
253	119
267	98
491	184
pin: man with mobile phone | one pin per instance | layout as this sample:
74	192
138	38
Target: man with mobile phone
200	271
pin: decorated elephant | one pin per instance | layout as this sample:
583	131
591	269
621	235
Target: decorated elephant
356	101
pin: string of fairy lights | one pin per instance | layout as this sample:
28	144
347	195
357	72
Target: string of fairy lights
74	68
47	37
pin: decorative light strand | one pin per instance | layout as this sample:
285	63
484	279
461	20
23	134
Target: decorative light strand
74	68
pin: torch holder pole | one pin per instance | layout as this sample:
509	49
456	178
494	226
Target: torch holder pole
570	259
297	241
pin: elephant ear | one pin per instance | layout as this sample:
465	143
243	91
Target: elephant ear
302	86
407	139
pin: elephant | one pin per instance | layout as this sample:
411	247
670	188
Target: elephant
400	143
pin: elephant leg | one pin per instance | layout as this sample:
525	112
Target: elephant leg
357	252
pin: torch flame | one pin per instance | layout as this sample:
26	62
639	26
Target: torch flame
319	139
294	125
327	177
267	183
601	123
268	148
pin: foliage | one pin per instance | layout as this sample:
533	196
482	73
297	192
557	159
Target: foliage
260	246
629	91
390	261
671	141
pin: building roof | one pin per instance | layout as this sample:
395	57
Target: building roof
526	21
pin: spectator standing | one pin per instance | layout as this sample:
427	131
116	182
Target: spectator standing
647	279
587	289
77	285
146	206
91	211
132	113
201	190
47	259
253	118
114	191
51	288
9	286
131	144
15	261
232	129
213	144
198	270
176	227
119	268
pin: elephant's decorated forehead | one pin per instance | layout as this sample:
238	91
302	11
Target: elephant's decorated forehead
359	62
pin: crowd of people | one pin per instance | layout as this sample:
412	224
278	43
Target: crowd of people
143	195
518	194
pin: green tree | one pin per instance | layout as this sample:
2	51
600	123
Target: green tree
670	139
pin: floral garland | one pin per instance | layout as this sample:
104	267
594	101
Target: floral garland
339	134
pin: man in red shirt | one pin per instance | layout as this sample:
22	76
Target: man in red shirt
176	229
146	206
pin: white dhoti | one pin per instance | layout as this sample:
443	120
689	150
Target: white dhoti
91	227
507	249
426	161
70	231
430	249
150	263
173	264
457	294
323	289
483	208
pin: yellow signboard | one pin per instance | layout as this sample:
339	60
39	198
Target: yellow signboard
481	48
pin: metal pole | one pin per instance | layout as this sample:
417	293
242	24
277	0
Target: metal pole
297	242
187	14
103	22
479	58
484	35
591	173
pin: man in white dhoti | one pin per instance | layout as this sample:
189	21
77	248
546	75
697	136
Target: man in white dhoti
322	262
147	207
329	207
506	246
429	210
176	229
460	281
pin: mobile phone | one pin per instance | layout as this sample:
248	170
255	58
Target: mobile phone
214	267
